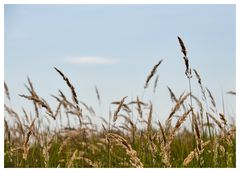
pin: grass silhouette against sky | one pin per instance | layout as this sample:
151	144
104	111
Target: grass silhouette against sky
115	46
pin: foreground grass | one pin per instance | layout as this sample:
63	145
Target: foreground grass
95	151
195	133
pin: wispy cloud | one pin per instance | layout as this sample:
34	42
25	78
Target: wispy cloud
91	60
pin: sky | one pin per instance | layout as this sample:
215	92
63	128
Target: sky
114	47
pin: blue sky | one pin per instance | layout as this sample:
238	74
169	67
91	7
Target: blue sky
115	46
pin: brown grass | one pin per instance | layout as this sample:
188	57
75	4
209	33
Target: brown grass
120	105
120	141
6	90
51	137
153	71
183	48
74	94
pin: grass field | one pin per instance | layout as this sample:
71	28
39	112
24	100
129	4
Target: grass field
195	133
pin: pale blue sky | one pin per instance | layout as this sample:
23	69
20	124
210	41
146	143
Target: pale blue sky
115	46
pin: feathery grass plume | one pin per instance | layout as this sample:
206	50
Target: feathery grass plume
62	95
211	97
125	106
98	95
223	119
166	155
120	105
31	87
162	132
177	106
120	141
194	153
188	71
231	92
177	125
57	110
66	103
155	83
172	95
198	77
183	48
153	71
200	83
71	160
166	149
184	51
180	97
139	109
41	102
216	121
33	94
6	90
133	142
149	122
25	145
74	94
60	103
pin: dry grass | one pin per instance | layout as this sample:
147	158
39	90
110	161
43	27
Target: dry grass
129	138
98	95
120	105
194	154
153	71
6	90
74	94
120	141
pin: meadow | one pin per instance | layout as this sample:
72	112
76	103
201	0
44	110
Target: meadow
195	133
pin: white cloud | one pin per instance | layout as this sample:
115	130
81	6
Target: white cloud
92	60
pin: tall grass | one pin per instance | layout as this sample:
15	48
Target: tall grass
48	137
